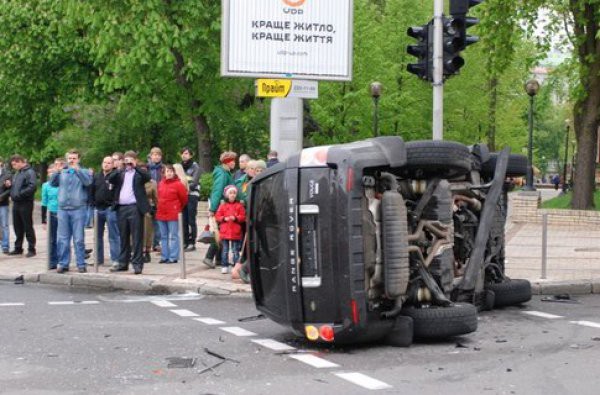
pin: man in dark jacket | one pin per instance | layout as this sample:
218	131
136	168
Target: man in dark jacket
104	198
192	173
4	199
132	204
22	191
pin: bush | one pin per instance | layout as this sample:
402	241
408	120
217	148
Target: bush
206	182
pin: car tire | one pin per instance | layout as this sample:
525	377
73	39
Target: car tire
396	270
441	159
401	334
510	292
517	165
436	322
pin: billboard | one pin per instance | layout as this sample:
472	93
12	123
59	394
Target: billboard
304	39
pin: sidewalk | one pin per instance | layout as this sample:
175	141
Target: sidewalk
155	279
573	265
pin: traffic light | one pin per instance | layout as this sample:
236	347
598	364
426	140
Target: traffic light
452	44
423	50
459	10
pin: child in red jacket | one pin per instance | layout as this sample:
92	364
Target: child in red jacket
230	215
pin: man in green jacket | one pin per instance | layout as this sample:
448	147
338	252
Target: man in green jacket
221	178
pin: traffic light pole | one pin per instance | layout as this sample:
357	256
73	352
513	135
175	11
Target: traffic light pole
438	71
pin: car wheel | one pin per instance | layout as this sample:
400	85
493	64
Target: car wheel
517	165
436	322
442	159
510	292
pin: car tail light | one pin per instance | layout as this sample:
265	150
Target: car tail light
349	179
326	333
355	316
312	333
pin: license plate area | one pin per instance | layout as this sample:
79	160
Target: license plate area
309	246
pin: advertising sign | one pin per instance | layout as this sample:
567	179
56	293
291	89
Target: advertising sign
287	88
295	39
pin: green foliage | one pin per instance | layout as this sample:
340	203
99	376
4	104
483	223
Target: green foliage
113	75
206	181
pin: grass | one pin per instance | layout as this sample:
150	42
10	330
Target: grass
564	201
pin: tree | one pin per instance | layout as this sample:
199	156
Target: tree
580	21
44	66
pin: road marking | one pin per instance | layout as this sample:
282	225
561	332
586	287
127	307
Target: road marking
364	381
11	304
163	303
313	361
236	330
150	298
542	314
273	344
209	321
184	313
72	302
586	323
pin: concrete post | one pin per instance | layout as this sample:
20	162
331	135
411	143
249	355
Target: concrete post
287	126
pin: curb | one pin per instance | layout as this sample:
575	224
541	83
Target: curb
143	285
212	288
572	287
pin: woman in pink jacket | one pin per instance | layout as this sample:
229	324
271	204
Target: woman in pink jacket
172	198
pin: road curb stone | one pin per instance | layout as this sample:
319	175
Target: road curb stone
55	279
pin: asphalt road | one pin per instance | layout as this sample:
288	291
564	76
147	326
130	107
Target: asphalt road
57	340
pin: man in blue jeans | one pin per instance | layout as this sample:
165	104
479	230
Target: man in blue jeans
73	183
4	199
103	197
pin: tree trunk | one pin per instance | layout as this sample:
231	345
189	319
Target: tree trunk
586	130
586	108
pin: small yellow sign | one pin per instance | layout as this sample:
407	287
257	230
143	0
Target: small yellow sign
273	88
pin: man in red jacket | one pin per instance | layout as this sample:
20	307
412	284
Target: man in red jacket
230	215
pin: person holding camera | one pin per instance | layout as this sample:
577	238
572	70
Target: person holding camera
73	186
132	205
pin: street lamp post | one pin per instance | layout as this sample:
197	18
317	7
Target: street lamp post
572	163
564	185
376	89
531	87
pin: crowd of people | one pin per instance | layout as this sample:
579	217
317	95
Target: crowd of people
137	203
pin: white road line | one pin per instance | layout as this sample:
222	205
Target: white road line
236	330
313	361
11	304
273	344
71	302
586	323
142	299
364	381
163	303
542	314
184	313
209	321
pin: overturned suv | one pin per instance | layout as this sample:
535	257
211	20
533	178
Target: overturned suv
382	239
